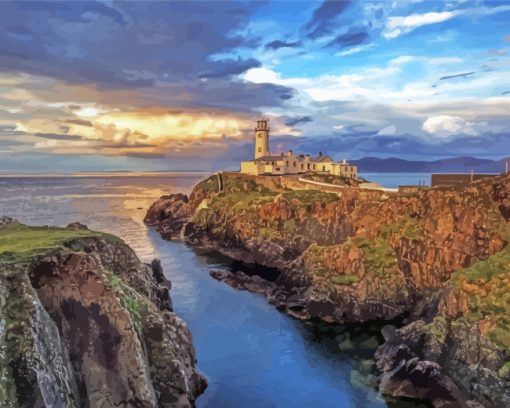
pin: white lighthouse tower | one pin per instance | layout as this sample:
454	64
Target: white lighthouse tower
261	139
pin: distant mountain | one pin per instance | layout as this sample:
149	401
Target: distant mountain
455	164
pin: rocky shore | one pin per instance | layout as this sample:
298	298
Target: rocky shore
436	259
83	323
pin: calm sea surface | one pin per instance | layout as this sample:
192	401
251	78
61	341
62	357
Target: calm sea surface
253	355
394	180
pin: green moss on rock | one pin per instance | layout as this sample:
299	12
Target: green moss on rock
344	279
378	255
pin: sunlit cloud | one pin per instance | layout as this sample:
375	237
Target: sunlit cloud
370	78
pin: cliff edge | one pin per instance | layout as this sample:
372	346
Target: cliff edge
83	323
437	258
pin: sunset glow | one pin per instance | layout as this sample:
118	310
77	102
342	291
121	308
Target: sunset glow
134	85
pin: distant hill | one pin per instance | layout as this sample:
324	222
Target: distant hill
455	164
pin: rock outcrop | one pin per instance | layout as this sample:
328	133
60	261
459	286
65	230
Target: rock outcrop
85	324
436	257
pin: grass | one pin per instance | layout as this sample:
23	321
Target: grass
18	242
378	258
486	287
209	184
438	327
344	279
485	270
331	179
406	226
504	371
378	255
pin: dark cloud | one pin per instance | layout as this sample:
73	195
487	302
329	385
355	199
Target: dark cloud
81	12
146	155
58	136
298	120
79	122
322	21
126	145
139	42
10	130
140	46
277	44
463	75
355	36
505	93
230	67
11	143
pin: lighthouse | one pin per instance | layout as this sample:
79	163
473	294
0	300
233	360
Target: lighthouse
261	139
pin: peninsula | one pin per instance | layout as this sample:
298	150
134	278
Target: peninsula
435	260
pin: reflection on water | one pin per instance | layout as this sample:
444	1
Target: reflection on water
114	204
253	355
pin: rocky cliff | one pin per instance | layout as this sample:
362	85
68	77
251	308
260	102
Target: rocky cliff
83	323
437	258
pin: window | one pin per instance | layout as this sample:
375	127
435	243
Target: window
287	164
260	149
308	166
259	135
294	164
302	166
277	168
323	168
314	166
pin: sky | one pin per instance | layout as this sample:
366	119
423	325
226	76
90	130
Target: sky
106	85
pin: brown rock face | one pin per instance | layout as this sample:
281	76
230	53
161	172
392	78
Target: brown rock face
169	214
363	255
115	342
380	249
102	342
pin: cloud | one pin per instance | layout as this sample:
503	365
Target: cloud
58	136
387	131
446	126
261	76
230	67
355	36
298	120
149	49
507	38
463	75
498	52
277	44
505	93
397	26
321	22
79	122
355	50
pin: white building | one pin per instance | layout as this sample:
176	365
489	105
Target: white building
290	163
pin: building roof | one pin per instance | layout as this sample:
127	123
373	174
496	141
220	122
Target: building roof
323	159
269	158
